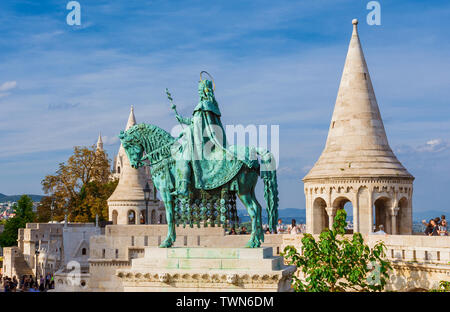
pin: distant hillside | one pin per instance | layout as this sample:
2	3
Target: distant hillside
429	214
286	214
14	198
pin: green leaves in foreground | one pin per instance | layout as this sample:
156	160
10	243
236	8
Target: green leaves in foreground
336	263
444	286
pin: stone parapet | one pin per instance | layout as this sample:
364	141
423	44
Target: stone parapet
419	262
207	269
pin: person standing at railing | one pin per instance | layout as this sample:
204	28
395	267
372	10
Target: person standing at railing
380	230
280	227
293	229
431	229
442	228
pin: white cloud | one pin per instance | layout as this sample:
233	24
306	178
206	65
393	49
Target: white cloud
434	146
110	140
8	85
430	146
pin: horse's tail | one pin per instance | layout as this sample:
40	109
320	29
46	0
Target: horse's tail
269	176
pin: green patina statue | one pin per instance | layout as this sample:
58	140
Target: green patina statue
199	176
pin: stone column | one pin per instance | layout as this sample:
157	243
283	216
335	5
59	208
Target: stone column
331	212
393	213
370	188
356	212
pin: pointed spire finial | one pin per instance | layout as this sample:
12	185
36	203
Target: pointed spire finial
355	27
99	142
131	119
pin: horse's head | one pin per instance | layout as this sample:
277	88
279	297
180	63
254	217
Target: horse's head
133	147
149	139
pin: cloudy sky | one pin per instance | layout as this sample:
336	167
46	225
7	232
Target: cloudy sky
274	62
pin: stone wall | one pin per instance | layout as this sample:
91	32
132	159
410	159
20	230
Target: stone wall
419	262
48	237
121	243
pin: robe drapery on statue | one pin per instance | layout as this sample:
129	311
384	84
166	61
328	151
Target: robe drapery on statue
204	144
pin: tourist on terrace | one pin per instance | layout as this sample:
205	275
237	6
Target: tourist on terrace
442	228
232	231
437	220
380	230
243	230
293	229
280	227
431	229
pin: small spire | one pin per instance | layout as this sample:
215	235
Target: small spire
355	27
99	142
131	119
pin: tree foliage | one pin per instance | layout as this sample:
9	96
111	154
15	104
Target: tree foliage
24	214
79	187
336	263
444	286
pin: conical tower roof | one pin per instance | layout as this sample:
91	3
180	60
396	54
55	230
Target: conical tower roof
357	145
99	142
131	119
132	181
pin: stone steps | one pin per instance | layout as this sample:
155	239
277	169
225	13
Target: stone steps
21	266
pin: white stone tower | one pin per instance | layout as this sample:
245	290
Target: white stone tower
99	143
357	165
127	204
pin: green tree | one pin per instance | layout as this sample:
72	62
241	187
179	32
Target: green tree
73	182
92	201
336	263
24	214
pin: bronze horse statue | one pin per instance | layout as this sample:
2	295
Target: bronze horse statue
147	144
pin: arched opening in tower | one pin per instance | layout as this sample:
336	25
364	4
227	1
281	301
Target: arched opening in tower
320	216
382	216
343	202
131	217
142	217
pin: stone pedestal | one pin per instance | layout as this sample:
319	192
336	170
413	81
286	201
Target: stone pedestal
207	269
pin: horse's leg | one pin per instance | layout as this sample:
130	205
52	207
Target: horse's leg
247	181
246	199
258	216
171	233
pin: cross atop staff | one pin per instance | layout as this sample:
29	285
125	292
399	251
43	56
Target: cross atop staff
174	107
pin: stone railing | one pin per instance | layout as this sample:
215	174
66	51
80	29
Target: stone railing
407	248
419	262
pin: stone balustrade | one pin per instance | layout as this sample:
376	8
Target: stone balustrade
419	262
408	248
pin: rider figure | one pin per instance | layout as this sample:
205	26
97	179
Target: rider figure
203	146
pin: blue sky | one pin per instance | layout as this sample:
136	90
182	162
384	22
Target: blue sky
274	62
